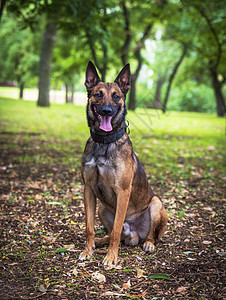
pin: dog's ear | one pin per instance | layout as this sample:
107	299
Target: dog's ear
92	77
123	79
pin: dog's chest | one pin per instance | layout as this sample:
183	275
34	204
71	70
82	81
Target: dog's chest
98	169
99	172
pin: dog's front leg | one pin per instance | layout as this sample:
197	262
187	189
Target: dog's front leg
121	209
90	210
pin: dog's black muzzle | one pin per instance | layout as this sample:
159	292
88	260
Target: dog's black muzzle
105	110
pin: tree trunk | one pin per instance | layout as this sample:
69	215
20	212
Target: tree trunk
157	99
220	102
45	63
132	95
21	96
66	93
126	45
173	74
2	5
72	93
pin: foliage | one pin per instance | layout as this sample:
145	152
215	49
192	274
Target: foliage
192	96
111	33
19	54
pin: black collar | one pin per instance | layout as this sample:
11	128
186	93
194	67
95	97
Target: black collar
109	138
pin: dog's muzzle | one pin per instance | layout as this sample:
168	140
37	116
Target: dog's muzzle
105	114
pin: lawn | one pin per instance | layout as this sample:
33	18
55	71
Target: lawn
42	219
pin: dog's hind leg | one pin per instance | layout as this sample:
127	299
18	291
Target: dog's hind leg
158	223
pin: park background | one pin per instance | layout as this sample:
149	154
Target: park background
176	109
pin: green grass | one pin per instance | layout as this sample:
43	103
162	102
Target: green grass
158	139
67	122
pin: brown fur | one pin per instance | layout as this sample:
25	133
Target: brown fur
112	173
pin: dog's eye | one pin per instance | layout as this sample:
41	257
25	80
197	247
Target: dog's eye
99	95
115	97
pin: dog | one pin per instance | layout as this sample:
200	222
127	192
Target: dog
113	175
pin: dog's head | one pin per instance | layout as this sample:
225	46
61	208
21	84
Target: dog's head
106	108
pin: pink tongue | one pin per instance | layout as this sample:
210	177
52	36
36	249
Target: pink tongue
105	123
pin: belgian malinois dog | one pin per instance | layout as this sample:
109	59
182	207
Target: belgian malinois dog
112	173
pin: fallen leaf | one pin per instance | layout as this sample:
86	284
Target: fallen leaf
182	290
96	276
42	288
74	223
139	272
208	208
159	276
38	197
69	247
111	266
49	239
188	252
126	285
108	293
207	242
75	272
60	250
60	293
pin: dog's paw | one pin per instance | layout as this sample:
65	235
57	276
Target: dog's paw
86	254
110	259
148	246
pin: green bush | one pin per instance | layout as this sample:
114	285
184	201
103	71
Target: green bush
192	97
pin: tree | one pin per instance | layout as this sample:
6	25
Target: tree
200	26
68	62
18	54
134	37
214	63
45	63
172	75
2	6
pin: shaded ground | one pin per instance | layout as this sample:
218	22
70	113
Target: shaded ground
42	233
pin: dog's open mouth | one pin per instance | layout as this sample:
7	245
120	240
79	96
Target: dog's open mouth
105	121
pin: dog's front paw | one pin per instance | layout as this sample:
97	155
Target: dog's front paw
86	254
111	258
148	246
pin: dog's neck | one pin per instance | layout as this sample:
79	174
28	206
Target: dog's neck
110	137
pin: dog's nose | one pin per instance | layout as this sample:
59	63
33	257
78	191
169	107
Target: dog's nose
106	110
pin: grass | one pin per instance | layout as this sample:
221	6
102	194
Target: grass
160	140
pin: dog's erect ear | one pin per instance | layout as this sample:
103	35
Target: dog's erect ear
123	79
92	78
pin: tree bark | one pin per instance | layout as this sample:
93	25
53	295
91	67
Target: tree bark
72	93
2	6
94	56
125	47
157	98
132	95
220	102
45	63
173	74
21	96
66	93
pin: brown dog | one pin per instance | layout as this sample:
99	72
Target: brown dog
112	173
